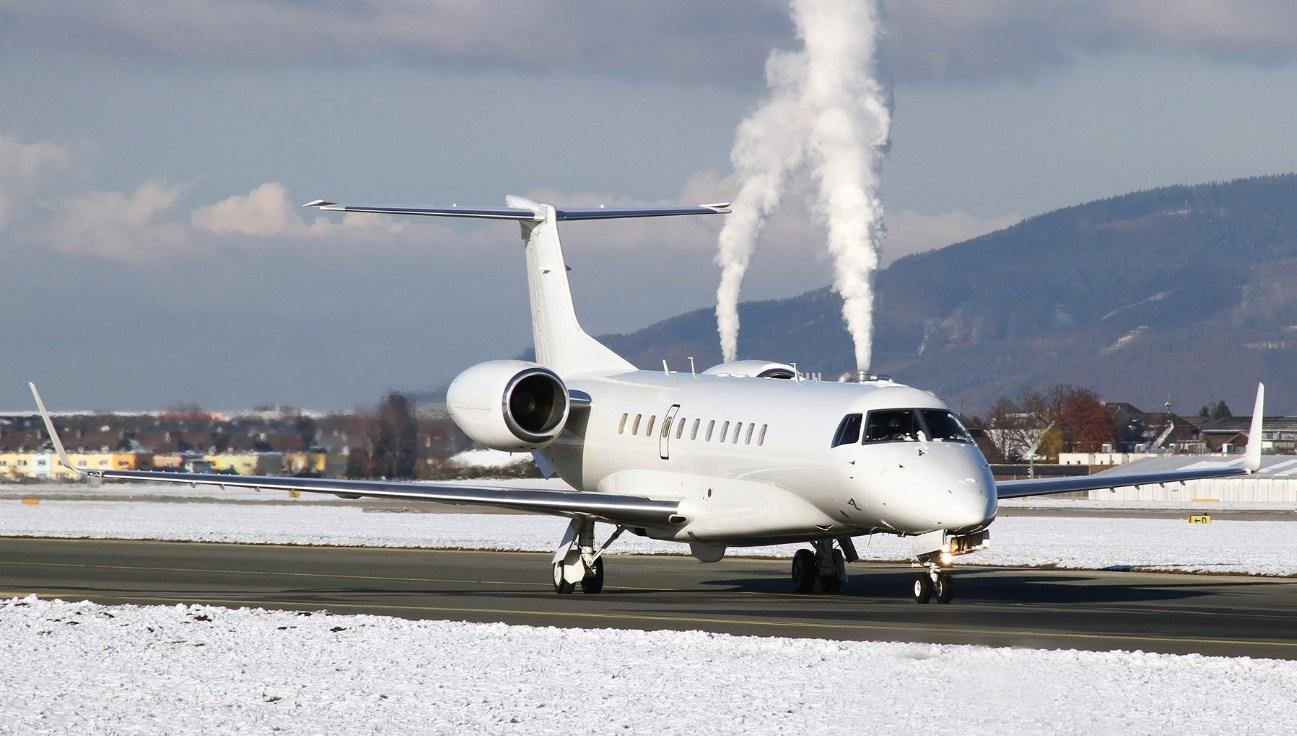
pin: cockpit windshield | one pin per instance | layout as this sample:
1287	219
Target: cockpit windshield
914	425
943	426
891	425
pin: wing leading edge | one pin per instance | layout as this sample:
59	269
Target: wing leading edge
616	509
1249	463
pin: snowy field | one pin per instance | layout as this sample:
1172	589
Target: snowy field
85	668
1223	546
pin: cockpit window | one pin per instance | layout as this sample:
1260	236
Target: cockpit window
913	425
848	432
892	425
943	426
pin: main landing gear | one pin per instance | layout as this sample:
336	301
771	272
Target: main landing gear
825	567
577	562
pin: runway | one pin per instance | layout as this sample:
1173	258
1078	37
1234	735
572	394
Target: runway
1216	615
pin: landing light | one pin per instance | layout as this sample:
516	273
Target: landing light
946	558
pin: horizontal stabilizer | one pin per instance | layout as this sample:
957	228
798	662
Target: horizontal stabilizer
517	213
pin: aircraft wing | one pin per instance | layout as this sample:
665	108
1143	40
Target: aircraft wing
1249	463
1045	486
615	509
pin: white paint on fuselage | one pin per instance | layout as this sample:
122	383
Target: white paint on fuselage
792	486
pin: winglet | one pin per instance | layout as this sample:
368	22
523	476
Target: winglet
54	436
1254	433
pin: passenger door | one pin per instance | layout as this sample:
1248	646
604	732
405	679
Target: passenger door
664	435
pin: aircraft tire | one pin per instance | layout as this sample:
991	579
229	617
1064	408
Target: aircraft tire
944	588
593	581
561	586
804	571
922	590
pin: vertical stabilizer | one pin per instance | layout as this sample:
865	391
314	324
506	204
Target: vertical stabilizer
561	344
1254	432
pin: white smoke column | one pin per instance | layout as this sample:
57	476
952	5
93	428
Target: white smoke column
825	108
767	145
848	138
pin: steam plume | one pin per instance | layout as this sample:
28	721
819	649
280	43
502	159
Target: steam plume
826	113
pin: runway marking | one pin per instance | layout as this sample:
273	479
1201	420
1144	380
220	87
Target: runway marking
714	620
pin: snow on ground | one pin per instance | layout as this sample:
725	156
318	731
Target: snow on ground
488	458
85	668
1223	546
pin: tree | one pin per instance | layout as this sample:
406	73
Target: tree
391	444
1085	424
1219	410
1059	419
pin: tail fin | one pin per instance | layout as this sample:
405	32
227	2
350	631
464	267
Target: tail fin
561	344
1254	432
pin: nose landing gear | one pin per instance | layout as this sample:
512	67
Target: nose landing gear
935	583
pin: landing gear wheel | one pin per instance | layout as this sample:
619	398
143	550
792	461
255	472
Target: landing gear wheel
944	588
560	586
593	580
804	571
922	588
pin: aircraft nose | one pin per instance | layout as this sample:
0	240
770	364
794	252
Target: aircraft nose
971	504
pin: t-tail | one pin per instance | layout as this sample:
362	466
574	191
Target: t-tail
561	344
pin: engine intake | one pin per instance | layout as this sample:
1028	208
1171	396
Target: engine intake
509	405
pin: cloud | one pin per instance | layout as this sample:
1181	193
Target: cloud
263	211
23	167
119	225
995	39
723	42
670	38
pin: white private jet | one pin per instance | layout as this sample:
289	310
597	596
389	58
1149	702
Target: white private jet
744	453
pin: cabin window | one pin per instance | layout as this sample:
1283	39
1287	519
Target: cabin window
892	425
680	428
666	427
621	426
738	430
711	424
634	426
693	432
761	437
747	440
848	432
648	431
725	431
942	426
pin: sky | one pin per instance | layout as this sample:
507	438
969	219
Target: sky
153	158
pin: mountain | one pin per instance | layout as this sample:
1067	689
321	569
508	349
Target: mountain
1185	293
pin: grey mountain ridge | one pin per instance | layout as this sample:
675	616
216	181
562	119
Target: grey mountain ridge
1184	292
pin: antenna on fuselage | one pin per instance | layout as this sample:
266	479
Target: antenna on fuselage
665	370
692	371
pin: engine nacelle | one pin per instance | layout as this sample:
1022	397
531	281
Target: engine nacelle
509	405
752	369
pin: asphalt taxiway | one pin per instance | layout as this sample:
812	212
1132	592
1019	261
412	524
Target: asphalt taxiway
1217	615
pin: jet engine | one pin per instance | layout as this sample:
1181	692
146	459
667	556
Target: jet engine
509	405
